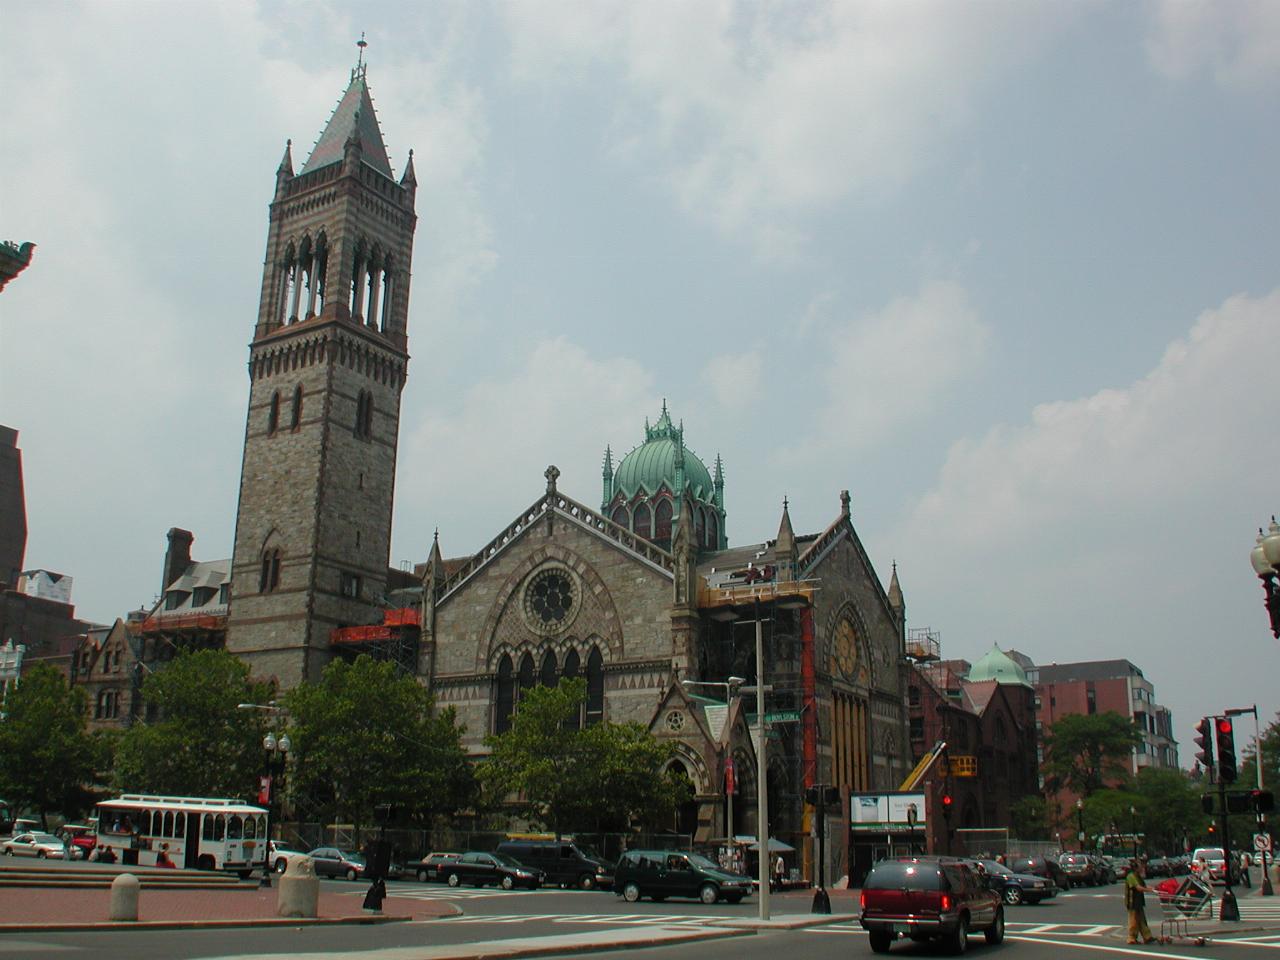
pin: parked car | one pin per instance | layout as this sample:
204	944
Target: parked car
332	862
82	837
482	869
280	856
1015	888
562	861
1216	862
672	873
1046	867
1081	870
928	899
1102	867
428	867
44	846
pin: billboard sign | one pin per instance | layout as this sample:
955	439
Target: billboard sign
886	812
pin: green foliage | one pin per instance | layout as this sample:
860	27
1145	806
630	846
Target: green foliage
47	760
202	745
1169	809
603	777
1270	757
1086	752
366	735
1030	818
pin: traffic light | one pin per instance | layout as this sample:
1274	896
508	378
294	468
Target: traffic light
946	806
1226	751
1264	801
1204	740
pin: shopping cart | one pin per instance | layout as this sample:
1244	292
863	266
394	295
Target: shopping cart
1186	901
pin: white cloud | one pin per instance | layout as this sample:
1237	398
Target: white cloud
765	113
734	378
1237	42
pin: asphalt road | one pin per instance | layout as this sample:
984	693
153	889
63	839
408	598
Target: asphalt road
1083	923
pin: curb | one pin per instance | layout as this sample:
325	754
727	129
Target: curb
196	924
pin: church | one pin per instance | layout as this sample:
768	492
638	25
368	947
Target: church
643	593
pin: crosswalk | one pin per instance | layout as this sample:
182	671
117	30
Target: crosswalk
610	919
1012	927
442	892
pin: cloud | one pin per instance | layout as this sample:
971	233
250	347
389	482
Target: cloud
1237	42
734	379
763	114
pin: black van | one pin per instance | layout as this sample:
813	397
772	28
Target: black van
671	873
563	862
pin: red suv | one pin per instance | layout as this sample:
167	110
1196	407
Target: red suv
925	899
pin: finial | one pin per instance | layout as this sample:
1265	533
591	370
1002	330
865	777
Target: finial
552	473
785	502
360	58
436	536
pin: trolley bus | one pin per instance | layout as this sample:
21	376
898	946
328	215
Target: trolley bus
196	832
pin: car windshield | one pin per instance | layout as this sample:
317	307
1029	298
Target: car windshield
44	838
353	857
698	860
507	861
992	867
589	852
896	876
1211	853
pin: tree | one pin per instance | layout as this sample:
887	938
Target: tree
1029	817
1270	759
47	760
1168	809
1086	752
602	777
201	745
366	735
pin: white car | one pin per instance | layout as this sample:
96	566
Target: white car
281	855
41	845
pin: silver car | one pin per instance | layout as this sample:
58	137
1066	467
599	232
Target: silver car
41	845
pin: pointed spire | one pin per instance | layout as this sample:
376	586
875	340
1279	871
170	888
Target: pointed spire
786	535
409	179
353	119
844	504
895	591
607	477
286	162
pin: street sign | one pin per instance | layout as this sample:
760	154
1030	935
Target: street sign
1262	842
783	716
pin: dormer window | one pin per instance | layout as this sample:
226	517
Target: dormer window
202	595
224	593
174	599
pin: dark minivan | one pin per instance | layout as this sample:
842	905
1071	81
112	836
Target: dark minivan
670	873
562	861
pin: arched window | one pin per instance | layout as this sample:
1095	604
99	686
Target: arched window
506	697
527	681
296	418
595	687
620	516
699	526
644	520
713	530
571	664
364	415
662	520
548	678
269	577
273	413
166	828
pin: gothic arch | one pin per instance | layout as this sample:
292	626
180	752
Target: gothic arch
695	766
848	611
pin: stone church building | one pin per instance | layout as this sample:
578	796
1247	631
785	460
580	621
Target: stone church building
641	593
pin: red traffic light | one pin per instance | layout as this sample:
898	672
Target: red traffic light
1224	726
946	799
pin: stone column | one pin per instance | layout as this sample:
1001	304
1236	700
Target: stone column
375	282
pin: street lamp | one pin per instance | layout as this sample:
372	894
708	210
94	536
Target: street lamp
730	688
1080	821
1133	822
277	749
1265	557
1267	891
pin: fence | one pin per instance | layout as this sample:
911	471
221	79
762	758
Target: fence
991	842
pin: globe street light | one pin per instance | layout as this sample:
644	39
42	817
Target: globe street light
277	749
1265	557
1133	820
1080	821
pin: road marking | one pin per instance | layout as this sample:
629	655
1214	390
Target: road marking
1042	928
626	919
1103	948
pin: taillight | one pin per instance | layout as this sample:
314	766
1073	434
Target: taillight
946	902
862	900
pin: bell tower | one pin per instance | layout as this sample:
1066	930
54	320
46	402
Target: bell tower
327	365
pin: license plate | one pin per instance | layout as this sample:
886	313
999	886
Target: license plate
903	928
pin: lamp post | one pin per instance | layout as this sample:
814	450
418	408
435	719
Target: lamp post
277	750
1267	891
1265	557
1080	822
730	689
1133	824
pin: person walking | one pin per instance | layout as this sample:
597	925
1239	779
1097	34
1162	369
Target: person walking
1135	902
779	872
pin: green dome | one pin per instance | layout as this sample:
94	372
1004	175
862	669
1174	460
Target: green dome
653	464
998	666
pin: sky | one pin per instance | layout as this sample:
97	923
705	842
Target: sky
1007	272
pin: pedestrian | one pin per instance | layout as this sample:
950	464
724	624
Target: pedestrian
106	855
162	858
1135	902
779	872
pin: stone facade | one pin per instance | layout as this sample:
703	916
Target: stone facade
327	366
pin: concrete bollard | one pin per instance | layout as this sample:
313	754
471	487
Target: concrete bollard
298	891
124	897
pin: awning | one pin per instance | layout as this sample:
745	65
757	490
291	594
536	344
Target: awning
775	846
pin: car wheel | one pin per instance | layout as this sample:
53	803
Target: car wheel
995	932
42	854
1013	895
422	876
586	882
351	873
880	941
960	938
454	880
709	893
282	865
508	883
631	893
